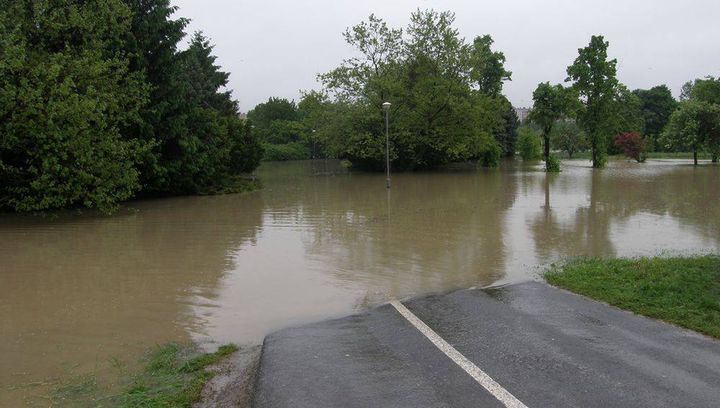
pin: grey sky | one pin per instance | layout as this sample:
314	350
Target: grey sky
276	48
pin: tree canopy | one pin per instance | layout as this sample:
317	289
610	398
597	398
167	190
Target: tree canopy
594	77
695	125
657	104
551	104
444	92
98	105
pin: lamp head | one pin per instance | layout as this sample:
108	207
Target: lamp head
386	105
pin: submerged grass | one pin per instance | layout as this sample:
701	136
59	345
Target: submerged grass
680	290
172	376
587	155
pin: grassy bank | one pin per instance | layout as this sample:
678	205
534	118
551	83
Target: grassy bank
171	376
683	291
650	155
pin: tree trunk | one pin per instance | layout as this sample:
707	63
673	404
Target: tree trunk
695	157
546	138
714	157
594	156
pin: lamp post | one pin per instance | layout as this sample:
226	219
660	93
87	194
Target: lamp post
386	108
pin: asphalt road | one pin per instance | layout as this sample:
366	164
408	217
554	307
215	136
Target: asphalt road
543	346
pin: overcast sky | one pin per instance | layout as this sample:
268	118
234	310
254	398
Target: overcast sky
276	48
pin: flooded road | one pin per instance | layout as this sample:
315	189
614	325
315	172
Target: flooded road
78	293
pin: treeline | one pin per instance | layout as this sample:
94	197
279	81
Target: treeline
98	105
446	95
599	113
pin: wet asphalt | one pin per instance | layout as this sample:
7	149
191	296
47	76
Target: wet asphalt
547	347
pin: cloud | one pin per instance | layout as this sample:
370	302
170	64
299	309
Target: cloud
276	48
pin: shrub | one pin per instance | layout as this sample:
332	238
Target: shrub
529	144
553	164
284	152
632	145
491	156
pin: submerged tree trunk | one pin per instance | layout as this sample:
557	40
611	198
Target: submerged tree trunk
594	156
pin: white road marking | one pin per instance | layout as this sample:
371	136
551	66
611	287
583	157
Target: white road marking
475	372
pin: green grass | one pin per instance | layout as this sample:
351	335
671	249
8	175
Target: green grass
172	376
678	155
587	155
682	290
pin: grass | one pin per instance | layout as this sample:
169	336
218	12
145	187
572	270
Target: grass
172	376
587	155
678	155
172	379
683	290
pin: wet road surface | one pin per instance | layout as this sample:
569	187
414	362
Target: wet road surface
545	347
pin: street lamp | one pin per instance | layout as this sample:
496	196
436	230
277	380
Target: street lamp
386	108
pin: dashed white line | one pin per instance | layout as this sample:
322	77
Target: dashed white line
468	366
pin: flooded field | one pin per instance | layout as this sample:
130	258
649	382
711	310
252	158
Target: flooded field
78	293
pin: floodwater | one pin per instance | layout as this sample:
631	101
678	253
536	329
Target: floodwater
78	293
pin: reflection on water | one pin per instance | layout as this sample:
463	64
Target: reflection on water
317	242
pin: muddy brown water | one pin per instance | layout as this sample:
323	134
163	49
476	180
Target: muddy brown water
80	293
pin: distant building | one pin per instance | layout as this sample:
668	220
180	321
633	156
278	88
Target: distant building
242	115
522	114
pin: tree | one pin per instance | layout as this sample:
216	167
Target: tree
265	113
705	90
66	92
632	145
152	48
568	137
551	103
656	104
210	126
706	93
506	136
488	67
594	78
316	114
529	144
438	115
694	126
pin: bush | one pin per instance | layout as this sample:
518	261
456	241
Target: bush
529	144
552	165
285	152
632	145
491	156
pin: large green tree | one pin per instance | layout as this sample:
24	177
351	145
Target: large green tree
488	67
66	93
506	135
568	137
550	104
209	126
274	109
694	126
594	77
152	48
657	104
439	114
97	105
